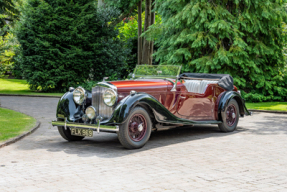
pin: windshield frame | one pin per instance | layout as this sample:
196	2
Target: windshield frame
173	76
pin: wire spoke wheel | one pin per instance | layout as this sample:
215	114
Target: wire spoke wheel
137	127
136	130
231	115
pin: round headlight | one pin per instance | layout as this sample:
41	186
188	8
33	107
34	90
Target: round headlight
110	97
91	112
79	95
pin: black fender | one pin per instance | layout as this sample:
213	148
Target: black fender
67	108
224	100
123	110
161	114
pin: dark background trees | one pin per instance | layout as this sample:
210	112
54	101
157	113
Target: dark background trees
66	43
242	38
132	7
8	14
8	42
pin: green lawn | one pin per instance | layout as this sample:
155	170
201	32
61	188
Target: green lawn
269	106
13	123
20	87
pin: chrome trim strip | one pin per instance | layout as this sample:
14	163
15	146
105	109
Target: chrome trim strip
107	85
93	127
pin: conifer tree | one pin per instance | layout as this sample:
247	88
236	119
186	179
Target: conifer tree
244	38
66	43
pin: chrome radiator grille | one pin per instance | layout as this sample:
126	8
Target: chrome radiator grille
97	101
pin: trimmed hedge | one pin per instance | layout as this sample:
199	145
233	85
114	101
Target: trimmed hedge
66	43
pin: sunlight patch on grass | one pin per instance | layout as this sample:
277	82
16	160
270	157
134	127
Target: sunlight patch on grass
268	106
20	87
13	123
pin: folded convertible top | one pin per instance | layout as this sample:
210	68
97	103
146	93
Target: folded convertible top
224	80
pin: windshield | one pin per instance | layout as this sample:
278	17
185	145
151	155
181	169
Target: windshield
157	71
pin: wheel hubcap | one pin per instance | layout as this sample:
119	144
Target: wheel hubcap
230	115
137	127
140	127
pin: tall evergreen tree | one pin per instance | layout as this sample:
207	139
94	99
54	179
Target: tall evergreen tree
65	43
244	38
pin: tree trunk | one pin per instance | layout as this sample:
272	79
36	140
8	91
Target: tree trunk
139	32
152	22
146	44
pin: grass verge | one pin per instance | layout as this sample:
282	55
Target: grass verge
20	87
268	106
13	123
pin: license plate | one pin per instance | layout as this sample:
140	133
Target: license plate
82	132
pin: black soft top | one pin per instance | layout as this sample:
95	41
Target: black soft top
224	80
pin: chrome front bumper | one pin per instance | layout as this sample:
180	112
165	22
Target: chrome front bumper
94	127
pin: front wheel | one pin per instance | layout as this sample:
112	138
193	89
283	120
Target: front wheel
66	134
136	130
230	117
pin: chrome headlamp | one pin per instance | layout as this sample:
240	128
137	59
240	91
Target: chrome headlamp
110	97
91	112
79	95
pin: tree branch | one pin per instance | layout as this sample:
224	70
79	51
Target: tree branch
122	16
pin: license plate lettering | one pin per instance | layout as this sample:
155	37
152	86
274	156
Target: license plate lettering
81	132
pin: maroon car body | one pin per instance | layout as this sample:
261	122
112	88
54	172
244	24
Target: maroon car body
133	108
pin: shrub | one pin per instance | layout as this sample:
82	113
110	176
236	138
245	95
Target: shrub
67	43
8	45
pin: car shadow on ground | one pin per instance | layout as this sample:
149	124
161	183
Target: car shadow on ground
106	145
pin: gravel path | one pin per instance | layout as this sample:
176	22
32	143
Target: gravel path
253	158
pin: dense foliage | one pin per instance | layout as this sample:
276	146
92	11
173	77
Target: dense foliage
122	5
8	14
8	46
67	43
128	29
241	37
157	70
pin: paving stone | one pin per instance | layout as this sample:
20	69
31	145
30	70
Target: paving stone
199	158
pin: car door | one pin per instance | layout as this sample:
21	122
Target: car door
197	106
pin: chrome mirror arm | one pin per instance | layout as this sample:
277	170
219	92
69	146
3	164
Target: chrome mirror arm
174	83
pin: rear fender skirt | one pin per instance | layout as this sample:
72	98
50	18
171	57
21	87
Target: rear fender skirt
161	114
225	100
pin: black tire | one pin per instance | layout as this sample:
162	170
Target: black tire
66	134
136	130
229	121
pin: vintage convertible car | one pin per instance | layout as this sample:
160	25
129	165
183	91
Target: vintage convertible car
157	97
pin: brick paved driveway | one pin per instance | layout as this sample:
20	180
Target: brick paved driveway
253	158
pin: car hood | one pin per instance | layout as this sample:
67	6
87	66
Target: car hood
142	85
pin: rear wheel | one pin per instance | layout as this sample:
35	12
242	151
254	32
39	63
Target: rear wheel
66	134
136	130
230	117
